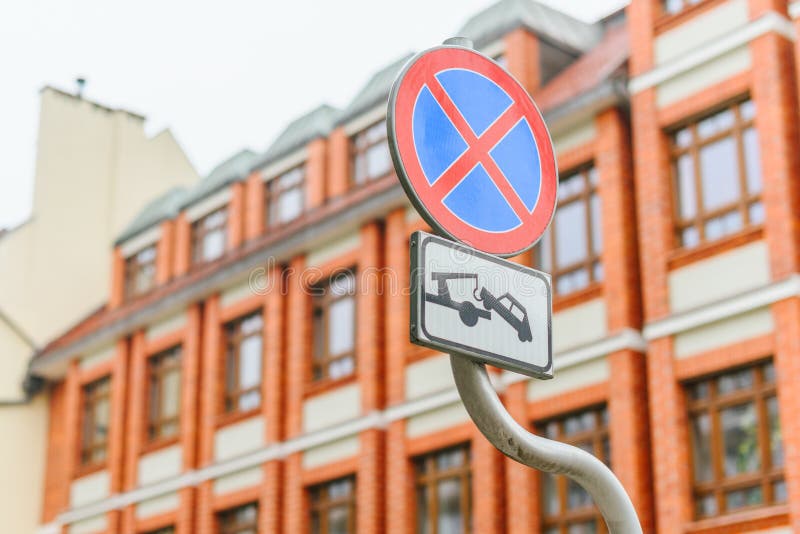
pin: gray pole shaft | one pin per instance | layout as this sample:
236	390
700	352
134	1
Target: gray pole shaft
514	441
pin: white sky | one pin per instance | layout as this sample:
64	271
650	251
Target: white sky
221	75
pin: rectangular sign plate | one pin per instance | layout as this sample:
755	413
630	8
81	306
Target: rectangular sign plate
477	305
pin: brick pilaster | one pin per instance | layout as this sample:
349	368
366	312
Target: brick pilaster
399	482
165	249
211	380
184	522
370	485
338	163
190	387
272	391
254	206
316	174
488	486
119	405
136	409
182	252
271	499
396	306
295	516
117	290
775	95
669	429
205	521
369	318
57	475
236	216
521	492
522	57
297	347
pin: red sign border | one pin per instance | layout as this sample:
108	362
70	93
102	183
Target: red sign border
401	104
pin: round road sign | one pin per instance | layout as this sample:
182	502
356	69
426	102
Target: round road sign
472	150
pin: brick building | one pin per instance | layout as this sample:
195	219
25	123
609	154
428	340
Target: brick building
252	371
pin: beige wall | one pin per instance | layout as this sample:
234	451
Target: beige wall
95	170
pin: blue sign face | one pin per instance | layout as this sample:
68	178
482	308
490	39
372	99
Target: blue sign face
473	150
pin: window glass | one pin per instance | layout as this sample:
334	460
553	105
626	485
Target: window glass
243	340
334	324
164	393
209	236
239	520
140	272
370	154
443	492
333	507
285	197
96	416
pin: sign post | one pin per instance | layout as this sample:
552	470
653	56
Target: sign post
476	160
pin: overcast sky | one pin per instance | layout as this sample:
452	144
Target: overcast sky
221	75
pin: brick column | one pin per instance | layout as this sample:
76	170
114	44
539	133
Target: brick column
136	405
775	95
254	206
669	426
316	173
787	365
184	522
370	483
212	380
399	486
488	486
61	431
338	163
236	216
183	245
272	393
119	401
190	387
204	522
165	248
522	57
117	293
295	516
521	490
297	347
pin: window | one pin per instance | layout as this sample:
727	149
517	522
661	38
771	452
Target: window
140	272
209	236
566	506
96	415
570	250
370	154
717	175
333	507
334	325
243	363
737	451
239	520
165	530
164	395
443	492
672	7
285	197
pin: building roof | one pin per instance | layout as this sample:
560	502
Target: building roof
163	207
235	168
316	123
375	91
555	26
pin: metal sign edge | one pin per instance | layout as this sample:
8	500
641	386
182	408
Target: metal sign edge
420	336
400	169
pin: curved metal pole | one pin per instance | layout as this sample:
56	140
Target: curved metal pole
513	440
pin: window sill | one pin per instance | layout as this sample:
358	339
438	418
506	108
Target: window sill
88	469
742	521
230	418
159	443
667	21
590	292
682	257
316	388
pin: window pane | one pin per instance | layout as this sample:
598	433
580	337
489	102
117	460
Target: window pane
779	491
379	162
577	497
775	441
687	199
342	367
597	229
341	331
448	494
290	205
337	520
706	506
170	393
422	510
213	245
690	237
720	173
743	498
571	186
586	527
701	448
550	500
715	124
740	439
449	459
250	362
756	213
735	381
100	419
570	230
723	225
752	160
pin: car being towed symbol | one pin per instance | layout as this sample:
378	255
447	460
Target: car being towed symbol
470	314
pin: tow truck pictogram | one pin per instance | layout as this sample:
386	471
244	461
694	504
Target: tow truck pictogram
470	314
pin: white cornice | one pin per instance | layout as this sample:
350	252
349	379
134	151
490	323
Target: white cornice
769	22
794	10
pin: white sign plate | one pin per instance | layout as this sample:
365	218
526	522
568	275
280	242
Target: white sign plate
478	305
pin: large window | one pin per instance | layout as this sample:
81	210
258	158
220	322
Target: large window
140	272
717	175
737	451
333	507
570	250
96	414
209	235
566	507
370	154
243	363
334	325
239	520
164	394
285	196
443	492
